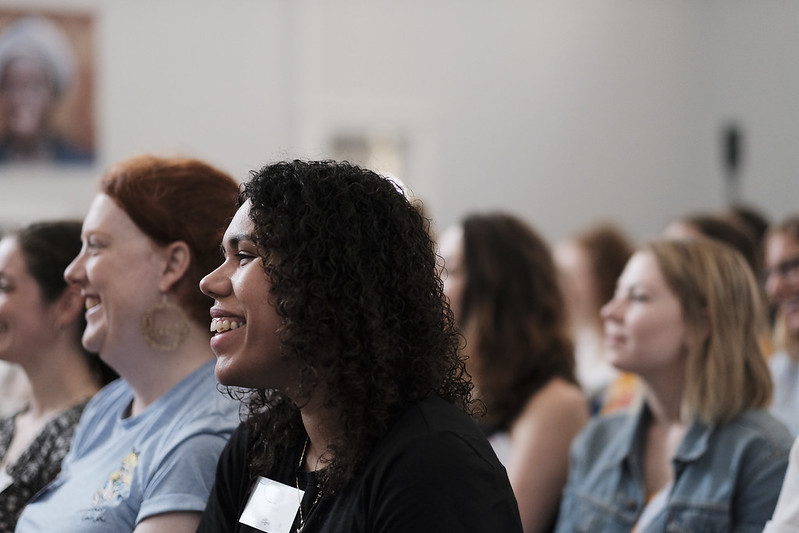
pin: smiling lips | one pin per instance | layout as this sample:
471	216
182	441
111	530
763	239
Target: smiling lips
613	339
789	305
219	325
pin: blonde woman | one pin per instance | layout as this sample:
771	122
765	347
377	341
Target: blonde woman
701	453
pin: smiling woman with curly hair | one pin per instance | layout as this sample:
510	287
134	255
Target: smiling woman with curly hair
329	312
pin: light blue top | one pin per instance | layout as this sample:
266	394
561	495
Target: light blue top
120	471
727	477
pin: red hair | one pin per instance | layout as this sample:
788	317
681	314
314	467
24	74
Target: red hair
177	199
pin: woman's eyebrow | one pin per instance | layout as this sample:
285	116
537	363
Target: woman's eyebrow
234	241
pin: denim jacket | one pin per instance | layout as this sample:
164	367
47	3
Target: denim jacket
727	476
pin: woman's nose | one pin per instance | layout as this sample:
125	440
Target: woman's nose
213	283
773	285
608	310
74	273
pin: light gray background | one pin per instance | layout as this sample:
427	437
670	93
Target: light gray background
561	111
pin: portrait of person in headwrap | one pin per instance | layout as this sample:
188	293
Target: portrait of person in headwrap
38	68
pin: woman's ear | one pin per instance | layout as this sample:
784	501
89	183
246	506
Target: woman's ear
177	260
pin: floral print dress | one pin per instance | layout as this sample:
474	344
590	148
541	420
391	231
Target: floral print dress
37	466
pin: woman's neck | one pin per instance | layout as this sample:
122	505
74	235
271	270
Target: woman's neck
60	379
322	429
154	373
665	400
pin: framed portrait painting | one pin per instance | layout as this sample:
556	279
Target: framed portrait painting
46	88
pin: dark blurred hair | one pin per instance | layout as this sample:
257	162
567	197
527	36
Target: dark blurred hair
730	231
755	220
47	248
513	315
608	250
176	199
353	274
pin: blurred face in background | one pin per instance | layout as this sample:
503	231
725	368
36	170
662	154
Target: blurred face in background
782	277
681	230
576	282
27	93
453	274
644	326
27	321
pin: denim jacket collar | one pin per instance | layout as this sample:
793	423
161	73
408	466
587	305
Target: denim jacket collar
633	432
695	443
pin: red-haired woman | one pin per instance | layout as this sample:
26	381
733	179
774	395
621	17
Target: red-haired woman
144	453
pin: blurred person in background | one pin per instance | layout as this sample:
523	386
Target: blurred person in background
786	514
754	219
724	228
502	285
589	264
702	453
781	275
41	323
14	388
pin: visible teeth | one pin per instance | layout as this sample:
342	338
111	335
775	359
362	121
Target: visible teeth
218	325
92	302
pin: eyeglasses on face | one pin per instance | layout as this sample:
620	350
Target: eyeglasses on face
784	269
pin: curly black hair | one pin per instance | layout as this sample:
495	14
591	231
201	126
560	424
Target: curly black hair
353	274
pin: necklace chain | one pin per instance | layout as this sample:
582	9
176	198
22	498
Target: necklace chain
297	482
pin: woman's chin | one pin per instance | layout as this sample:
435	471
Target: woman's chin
792	320
92	343
227	375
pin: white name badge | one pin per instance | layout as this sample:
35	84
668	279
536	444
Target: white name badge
6	480
272	506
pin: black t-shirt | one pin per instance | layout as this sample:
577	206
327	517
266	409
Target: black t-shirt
433	471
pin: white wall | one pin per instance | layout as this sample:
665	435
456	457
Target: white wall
563	111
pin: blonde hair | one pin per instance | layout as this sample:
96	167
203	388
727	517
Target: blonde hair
726	371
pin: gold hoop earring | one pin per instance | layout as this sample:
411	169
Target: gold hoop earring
164	326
